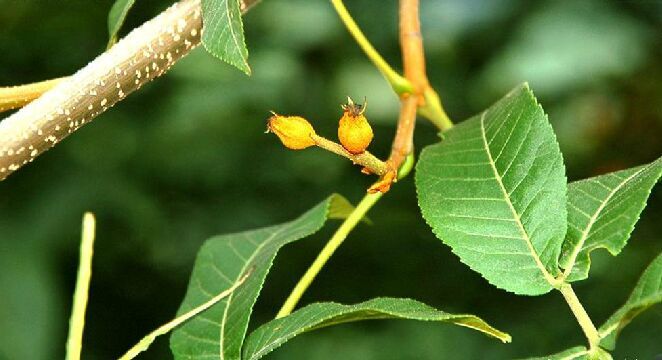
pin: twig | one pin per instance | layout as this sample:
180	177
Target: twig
413	59
399	84
411	44
404	135
366	159
146	53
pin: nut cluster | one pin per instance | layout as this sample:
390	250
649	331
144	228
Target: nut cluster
296	133
354	133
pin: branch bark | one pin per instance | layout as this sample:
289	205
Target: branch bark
413	59
143	55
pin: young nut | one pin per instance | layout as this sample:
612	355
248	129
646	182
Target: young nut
354	132
293	131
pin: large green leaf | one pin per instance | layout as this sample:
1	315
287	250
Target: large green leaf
646	293
223	32
276	332
575	353
222	260
116	18
602	212
494	190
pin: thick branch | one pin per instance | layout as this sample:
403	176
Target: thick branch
146	53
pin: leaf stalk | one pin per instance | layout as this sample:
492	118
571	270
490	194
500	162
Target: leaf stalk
582	318
399	84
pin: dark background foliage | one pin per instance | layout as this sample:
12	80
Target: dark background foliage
186	158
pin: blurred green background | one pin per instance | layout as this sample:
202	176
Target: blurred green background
186	158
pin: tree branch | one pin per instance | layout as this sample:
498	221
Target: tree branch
411	43
413	59
143	55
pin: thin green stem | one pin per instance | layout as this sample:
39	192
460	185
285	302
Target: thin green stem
340	235
77	320
582	317
434	111
398	82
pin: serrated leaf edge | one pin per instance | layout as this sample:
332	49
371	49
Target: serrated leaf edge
500	335
524	85
593	220
329	201
241	45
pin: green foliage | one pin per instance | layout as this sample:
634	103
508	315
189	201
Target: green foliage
116	18
315	316
185	169
223	260
602	212
223	34
646	293
494	190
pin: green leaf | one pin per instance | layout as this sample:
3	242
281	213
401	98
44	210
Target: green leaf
276	332
602	212
494	191
116	18
223	32
221	261
575	353
148	340
646	293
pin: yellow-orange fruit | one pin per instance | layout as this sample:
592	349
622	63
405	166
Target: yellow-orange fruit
354	132
293	131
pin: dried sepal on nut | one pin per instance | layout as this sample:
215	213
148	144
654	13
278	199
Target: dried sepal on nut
354	131
293	131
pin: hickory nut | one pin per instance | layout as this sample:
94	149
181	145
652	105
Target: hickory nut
354	132
293	131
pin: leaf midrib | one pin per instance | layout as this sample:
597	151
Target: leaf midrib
525	236
243	269
233	34
592	221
